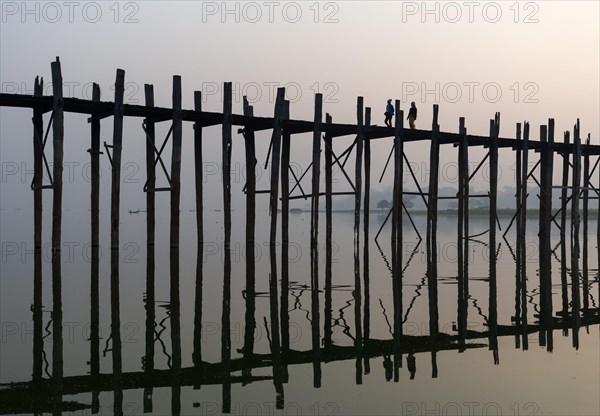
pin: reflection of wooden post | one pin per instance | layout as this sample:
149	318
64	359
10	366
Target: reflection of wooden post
275	340
328	233
358	340
150	240
38	181
198	161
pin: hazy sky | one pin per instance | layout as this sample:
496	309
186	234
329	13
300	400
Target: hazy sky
528	60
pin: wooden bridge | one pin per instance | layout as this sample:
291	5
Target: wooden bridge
576	164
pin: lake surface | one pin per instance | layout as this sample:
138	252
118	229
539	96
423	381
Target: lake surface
501	366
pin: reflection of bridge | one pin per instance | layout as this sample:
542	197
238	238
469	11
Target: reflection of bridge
37	396
576	164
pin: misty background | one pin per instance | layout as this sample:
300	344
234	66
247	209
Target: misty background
529	60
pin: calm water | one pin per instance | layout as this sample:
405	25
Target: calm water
528	373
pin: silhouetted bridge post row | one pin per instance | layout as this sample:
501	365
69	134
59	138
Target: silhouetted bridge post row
576	164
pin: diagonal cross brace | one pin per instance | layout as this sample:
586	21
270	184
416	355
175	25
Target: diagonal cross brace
158	159
42	144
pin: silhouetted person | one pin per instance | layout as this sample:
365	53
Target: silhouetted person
412	115
389	367
389	113
411	363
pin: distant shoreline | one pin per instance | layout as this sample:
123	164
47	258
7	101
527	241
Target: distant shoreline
504	212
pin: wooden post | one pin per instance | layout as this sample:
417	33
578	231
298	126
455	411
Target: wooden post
575	249
275	161
328	233
544	232
95	245
367	197
460	196
250	319
523	213
226	308
465	164
150	247
358	167
518	179
314	243
549	171
585	195
114	239
358	342
564	191
367	209
285	230
38	181
432	202
316	170
57	142
432	240
493	310
397	239
521	234
494	133
463	175
198	160
273	302
174	251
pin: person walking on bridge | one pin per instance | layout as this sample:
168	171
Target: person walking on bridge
412	115
389	113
